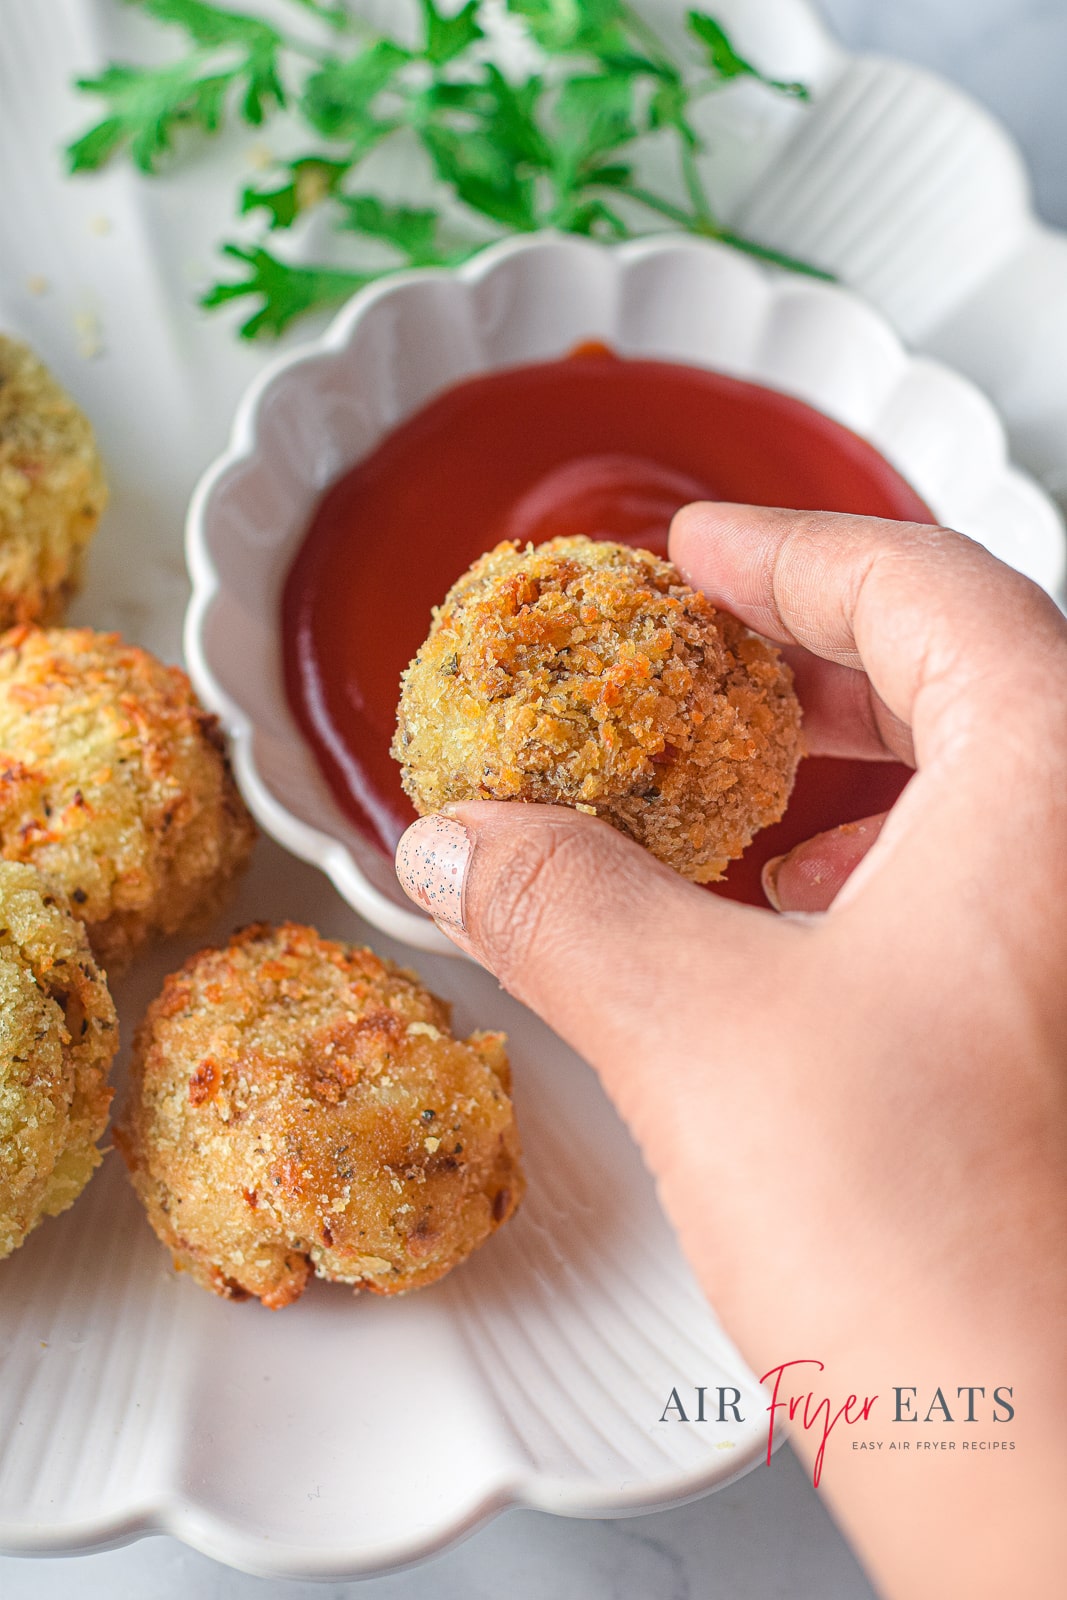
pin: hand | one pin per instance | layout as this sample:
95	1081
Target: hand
857	1118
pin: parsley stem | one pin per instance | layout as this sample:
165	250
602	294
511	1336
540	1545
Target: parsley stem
777	258
654	202
647	36
710	229
693	185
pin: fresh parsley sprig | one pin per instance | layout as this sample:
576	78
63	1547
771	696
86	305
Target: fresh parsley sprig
561	148
146	104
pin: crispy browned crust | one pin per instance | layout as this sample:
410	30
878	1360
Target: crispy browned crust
52	490
298	1105
115	783
589	674
58	1034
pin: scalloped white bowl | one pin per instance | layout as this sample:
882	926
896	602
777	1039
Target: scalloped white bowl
315	413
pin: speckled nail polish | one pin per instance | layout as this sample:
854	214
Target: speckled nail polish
431	863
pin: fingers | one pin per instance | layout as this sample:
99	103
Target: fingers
812	875
594	934
939	626
843	716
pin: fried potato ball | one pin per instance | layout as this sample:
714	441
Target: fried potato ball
58	1035
586	673
299	1105
115	783
52	489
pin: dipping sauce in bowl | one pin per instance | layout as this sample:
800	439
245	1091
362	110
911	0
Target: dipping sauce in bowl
591	444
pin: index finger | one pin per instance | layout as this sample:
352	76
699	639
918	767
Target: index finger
946	633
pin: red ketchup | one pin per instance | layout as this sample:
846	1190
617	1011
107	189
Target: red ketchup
593	445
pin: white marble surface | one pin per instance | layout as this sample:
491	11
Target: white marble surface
767	1536
764	1538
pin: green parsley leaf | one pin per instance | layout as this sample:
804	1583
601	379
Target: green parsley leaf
667	109
312	179
482	175
507	114
612	175
213	28
635	65
594	218
561	26
146	104
286	291
448	37
144	107
212	25
411	229
595	115
337	98
725	61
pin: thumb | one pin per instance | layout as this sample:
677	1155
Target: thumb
620	955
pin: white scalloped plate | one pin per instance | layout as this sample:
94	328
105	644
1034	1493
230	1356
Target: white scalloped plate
344	1437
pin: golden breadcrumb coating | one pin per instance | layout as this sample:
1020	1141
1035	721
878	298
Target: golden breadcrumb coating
58	1035
115	783
585	673
52	489
299	1105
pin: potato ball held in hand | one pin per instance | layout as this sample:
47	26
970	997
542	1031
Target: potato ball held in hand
298	1105
52	489
115	783
58	1035
586	673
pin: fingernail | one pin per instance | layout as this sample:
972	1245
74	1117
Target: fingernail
431	863
769	880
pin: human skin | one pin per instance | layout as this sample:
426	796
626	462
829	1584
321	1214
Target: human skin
856	1111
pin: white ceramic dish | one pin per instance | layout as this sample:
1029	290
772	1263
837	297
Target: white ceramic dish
343	1438
317	411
